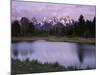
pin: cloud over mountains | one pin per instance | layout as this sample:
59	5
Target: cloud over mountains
41	10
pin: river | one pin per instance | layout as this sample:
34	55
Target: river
64	53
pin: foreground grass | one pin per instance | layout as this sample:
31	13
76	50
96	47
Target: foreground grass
25	67
56	39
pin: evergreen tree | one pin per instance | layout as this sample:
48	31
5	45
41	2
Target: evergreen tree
24	25
30	29
15	28
81	25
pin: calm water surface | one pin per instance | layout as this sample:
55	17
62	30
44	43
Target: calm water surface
65	53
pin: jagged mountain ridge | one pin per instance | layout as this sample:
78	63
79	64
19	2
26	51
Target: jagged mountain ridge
53	22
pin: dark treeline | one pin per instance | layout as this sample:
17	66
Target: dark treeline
80	28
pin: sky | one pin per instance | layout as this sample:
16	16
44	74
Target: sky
40	10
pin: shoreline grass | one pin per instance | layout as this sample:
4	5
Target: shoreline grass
25	67
57	39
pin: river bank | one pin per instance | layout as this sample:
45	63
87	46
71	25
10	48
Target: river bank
34	66
57	39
